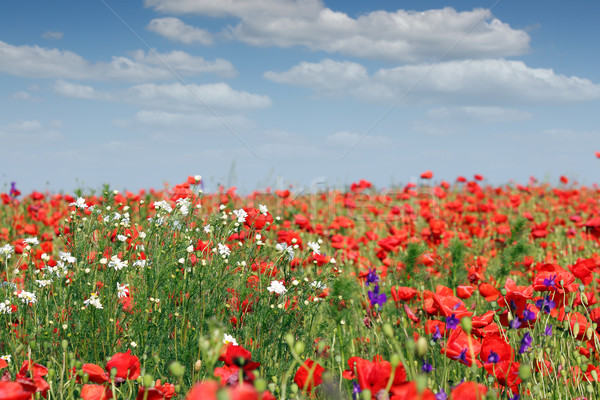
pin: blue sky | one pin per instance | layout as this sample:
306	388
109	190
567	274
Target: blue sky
277	92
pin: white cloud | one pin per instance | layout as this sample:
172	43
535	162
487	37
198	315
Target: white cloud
32	132
194	98
348	139
477	113
78	91
40	62
53	35
492	81
177	30
401	36
182	122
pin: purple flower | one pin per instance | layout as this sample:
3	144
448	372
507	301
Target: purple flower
372	277
427	368
546	304
548	330
441	395
528	315
549	282
463	355
356	390
14	192
437	335
377	298
516	397
452	322
515	323
493	357
525	343
457	305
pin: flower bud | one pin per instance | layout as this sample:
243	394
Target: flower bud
422	347
525	371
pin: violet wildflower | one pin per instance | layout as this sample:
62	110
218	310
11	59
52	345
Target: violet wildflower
549	282
525	343
457	305
372	277
548	330
437	335
14	192
427	368
545	304
528	315
463	355
515	323
356	390
377	298
452	322
493	357
441	395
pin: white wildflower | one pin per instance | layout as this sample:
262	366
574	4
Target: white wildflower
7	250
6	357
263	209
283	247
67	257
5	308
223	250
315	247
229	339
31	240
163	205
122	238
94	300
140	263
277	287
184	206
318	285
79	203
241	215
27	297
123	290
44	282
116	263
207	228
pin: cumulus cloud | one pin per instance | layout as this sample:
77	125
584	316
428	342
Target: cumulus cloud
346	139
31	132
53	35
479	114
194	98
491	81
69	89
400	36
41	62
173	99
178	31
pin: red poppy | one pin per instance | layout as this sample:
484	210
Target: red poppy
495	349
96	392
469	391
374	375
309	375
427	175
127	365
237	356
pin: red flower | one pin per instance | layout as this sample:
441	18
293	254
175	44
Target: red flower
469	391
374	375
96	392
158	392
128	366
427	175
21	390
237	356
308	375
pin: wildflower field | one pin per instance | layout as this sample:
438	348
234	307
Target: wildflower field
426	291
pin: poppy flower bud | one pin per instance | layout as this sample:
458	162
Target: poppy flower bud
176	369
64	344
260	385
422	347
299	347
148	381
388	331
525	371
197	365
595	374
395	360
576	329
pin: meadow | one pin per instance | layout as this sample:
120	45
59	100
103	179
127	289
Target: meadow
431	290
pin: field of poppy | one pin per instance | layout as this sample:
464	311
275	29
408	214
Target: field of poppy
438	291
